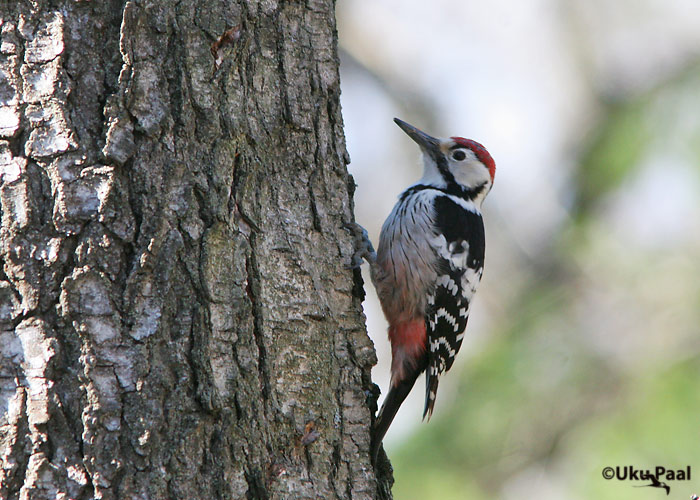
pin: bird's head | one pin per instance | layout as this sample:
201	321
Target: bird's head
456	164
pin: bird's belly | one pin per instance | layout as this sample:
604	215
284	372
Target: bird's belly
407	275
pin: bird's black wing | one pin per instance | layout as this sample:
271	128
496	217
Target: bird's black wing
461	251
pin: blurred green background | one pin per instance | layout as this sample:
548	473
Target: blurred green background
583	349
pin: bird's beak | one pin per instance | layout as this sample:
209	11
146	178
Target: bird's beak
428	144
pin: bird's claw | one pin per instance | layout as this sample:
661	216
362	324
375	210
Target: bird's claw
363	246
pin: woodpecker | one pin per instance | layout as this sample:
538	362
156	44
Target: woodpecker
428	264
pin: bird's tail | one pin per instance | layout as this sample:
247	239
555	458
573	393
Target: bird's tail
431	385
386	415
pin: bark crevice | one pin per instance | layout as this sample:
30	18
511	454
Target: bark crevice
252	290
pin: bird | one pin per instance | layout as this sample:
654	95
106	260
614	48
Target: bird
427	266
655	483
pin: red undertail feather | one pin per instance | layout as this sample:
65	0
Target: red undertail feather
408	343
408	340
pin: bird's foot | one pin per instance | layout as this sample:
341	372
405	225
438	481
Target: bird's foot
363	246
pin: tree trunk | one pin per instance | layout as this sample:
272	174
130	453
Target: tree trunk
175	318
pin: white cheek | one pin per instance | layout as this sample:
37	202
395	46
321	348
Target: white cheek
470	174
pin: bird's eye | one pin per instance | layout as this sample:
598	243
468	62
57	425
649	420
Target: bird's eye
459	155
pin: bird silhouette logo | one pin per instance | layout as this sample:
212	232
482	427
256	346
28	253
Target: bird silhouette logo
655	483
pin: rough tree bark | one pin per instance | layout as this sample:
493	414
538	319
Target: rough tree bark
175	318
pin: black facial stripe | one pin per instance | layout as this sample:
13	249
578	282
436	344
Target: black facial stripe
454	189
444	170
